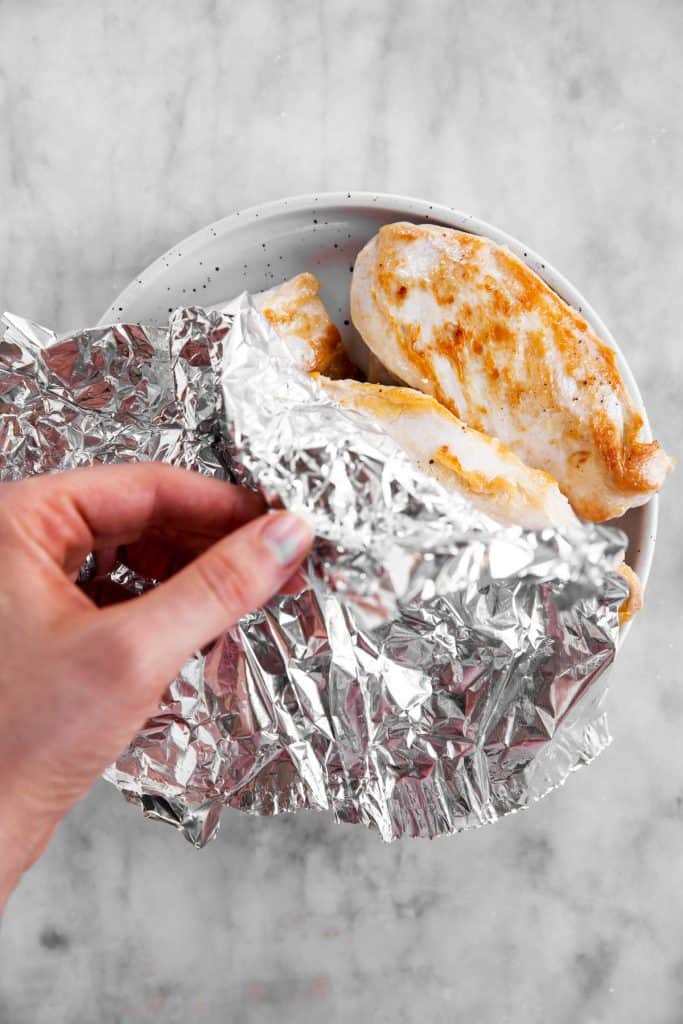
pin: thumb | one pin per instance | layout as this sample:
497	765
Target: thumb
235	576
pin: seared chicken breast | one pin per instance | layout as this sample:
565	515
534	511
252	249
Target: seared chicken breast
462	459
468	462
298	315
462	319
634	601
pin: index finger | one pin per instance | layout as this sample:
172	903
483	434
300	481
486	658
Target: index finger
69	514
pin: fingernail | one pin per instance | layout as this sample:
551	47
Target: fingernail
288	536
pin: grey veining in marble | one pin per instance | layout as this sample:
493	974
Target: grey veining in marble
125	126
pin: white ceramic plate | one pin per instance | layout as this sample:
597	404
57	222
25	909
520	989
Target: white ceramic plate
257	248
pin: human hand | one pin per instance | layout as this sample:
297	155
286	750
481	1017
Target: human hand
77	680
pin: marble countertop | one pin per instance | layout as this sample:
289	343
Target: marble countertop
124	128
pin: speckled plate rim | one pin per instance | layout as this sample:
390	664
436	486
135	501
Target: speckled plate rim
407	207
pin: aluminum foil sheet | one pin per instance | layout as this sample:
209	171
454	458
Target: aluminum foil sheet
435	669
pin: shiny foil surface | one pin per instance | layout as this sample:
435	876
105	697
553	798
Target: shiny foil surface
433	670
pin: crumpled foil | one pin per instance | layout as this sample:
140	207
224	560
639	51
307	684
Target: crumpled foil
434	671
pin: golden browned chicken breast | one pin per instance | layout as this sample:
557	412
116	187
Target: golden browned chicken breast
469	462
464	320
634	601
297	313
463	459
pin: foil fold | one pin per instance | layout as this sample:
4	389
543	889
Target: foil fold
434	669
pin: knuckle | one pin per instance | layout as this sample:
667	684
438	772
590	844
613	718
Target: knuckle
224	581
12	503
39	512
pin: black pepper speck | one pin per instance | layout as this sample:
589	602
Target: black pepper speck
51	938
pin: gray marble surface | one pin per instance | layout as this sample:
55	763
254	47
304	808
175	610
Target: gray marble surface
123	128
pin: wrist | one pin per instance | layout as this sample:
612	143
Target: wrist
21	843
10	876
13	863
